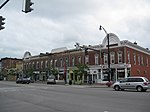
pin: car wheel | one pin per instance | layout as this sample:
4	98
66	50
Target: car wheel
117	88
139	89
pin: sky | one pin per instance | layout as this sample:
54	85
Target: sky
61	23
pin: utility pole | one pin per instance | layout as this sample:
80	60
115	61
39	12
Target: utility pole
107	35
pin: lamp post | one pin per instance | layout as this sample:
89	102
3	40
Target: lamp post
107	35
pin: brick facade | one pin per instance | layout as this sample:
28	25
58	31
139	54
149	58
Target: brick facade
126	59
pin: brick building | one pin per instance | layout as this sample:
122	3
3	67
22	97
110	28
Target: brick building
8	64
126	59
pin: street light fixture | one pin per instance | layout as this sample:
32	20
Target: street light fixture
107	35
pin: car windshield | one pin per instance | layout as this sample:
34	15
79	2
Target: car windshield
51	77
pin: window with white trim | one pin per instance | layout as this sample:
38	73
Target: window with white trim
119	57
147	61
128	57
55	63
73	61
67	61
139	60
79	59
61	62
41	64
105	58
134	58
86	59
37	65
33	66
142	60
112	57
46	64
96	59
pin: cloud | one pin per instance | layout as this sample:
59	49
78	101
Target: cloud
62	23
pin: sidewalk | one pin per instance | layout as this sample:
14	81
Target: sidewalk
97	85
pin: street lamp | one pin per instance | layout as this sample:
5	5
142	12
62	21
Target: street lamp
107	35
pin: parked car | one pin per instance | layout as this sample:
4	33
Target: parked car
51	80
138	83
1	78
23	81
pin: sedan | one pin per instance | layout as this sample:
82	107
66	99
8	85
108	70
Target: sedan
23	80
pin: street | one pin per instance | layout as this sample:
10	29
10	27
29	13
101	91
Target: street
35	97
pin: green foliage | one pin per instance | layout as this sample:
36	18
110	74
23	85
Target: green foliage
30	72
80	71
12	71
53	71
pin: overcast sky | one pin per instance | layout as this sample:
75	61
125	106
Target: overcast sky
62	23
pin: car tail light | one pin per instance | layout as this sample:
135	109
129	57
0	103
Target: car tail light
145	83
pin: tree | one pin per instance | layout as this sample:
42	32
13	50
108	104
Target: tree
11	74
53	71
30	72
81	71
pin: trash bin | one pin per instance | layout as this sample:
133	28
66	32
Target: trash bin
70	82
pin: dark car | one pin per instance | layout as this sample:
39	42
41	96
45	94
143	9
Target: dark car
23	81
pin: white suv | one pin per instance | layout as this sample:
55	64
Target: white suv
138	83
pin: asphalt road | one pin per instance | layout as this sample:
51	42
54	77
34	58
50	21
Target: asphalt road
60	98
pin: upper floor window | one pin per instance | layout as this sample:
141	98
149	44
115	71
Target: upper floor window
120	57
51	62
61	62
73	61
55	63
41	64
112	57
128	57
30	65
86	59
105	58
67	61
142	60
79	60
96	59
46	64
134	58
147	62
37	65
139	60
33	65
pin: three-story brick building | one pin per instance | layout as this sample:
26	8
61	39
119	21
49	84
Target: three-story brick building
126	59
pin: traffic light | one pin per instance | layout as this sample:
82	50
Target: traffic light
27	6
2	23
